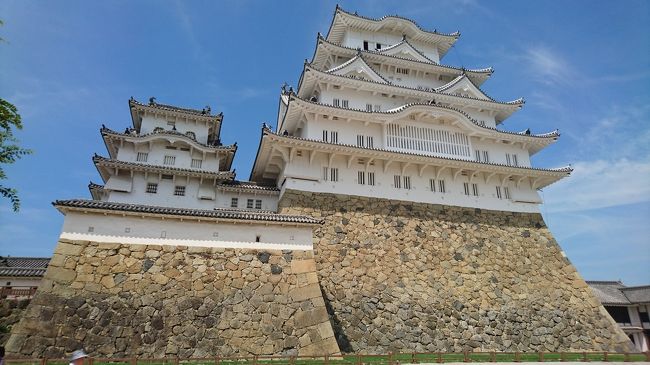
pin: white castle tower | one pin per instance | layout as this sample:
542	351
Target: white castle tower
376	114
167	180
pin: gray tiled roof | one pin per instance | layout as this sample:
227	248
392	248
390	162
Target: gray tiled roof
205	113
615	292
23	266
266	216
637	294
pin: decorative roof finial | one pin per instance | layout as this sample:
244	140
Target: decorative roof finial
283	88
403	37
152	100
132	98
359	51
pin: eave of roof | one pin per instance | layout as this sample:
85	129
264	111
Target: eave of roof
248	186
108	162
95	190
25	272
155	108
508	107
549	137
217	214
358	58
109	132
199	113
479	74
443	41
491	167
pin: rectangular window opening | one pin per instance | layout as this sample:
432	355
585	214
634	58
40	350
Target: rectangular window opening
234	202
179	190
142	156
152	188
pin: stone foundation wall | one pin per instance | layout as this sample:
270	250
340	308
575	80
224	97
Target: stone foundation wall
153	301
420	277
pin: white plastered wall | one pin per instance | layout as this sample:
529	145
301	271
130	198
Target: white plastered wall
300	175
187	232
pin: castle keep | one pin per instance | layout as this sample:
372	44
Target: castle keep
387	211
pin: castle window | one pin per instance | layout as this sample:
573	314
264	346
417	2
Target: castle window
441	186
258	204
508	159
506	192
142	157
428	140
397	181
167	177
249	203
330	174
190	134
197	163
403	71
486	156
432	185
345	103
371	178
152	188
334	174
499	192
171	124
336	102
234	202
370	142
365	45
378	46
368	107
169	160
179	190
478	155
514	160
377	107
361	177
330	136
407	182
466	188
475	189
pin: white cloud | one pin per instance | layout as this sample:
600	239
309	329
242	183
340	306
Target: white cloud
547	66
600	184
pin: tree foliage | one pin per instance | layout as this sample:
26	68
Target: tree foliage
10	151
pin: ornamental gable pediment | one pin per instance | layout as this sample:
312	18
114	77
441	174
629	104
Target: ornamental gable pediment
357	68
404	50
462	86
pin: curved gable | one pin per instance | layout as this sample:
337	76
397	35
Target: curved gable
404	49
463	86
357	68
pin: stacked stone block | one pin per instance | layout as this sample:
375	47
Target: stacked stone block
401	276
152	301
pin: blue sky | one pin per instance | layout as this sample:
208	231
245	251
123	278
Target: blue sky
583	67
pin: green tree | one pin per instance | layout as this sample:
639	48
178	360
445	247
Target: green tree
10	151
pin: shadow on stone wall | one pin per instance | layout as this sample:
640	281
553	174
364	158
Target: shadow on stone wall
341	338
